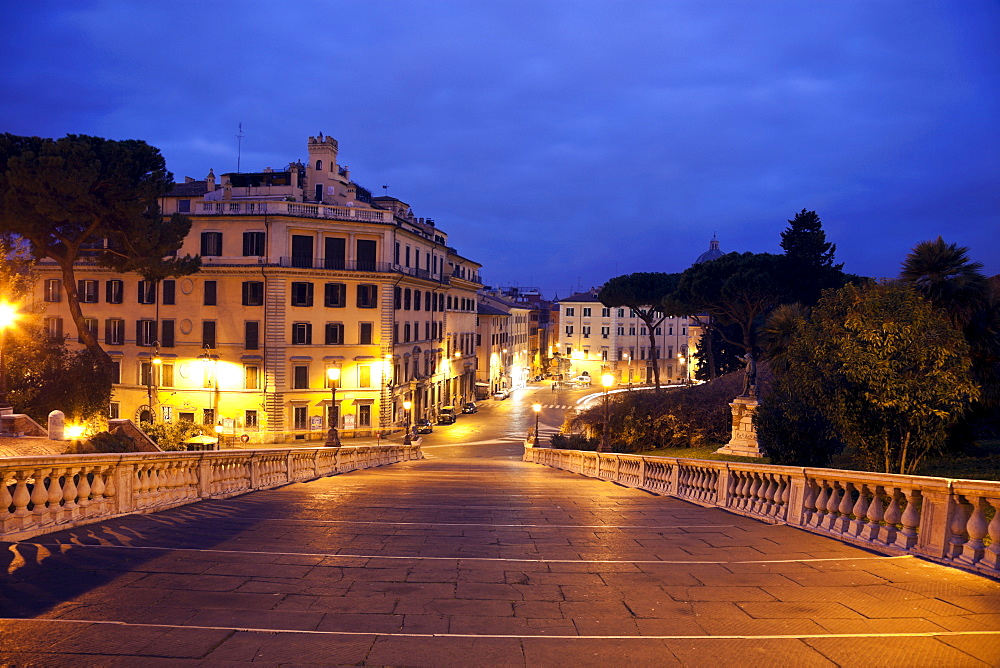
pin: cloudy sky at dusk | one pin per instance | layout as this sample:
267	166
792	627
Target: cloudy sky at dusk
559	143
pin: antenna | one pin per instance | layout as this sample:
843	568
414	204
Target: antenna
239	148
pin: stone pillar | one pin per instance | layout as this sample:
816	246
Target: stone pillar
743	442
57	426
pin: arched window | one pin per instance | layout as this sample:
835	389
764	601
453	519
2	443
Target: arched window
319	165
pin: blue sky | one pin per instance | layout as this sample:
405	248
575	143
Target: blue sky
560	143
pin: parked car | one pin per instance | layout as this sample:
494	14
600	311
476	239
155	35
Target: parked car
583	381
500	395
447	415
470	407
424	427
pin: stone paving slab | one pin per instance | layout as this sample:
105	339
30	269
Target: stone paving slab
478	559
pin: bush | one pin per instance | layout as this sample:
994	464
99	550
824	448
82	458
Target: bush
111	442
171	435
574	442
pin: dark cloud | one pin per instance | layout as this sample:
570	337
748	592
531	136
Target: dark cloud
560	141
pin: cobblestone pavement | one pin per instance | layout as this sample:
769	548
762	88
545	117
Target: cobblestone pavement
474	558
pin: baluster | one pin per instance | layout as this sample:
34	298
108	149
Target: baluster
910	520
893	514
21	497
6	500
808	502
769	495
859	511
991	556
753	492
876	511
844	509
83	489
976	528
69	491
56	494
959	522
832	506
39	496
742	488
97	489
821	501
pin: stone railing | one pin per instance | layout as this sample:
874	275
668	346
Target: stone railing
955	522
43	494
305	210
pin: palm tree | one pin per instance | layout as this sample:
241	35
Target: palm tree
777	333
944	274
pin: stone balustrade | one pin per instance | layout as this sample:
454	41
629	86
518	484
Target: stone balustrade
955	522
43	494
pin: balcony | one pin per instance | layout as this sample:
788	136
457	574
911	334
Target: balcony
338	264
303	210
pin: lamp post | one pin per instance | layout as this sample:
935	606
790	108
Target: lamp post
628	358
208	358
154	361
538	409
607	380
218	437
8	316
407	405
332	437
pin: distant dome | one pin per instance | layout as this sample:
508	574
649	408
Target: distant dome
713	252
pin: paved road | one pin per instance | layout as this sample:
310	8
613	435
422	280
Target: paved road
474	558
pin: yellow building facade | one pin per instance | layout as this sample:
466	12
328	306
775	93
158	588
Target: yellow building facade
303	271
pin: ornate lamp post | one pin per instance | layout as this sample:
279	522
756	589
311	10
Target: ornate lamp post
8	316
332	437
607	380
538	409
407	405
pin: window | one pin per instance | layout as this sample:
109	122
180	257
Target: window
302	251
208	416
114	332
251	377
211	293
87	292
54	327
586	312
364	376
570	311
395	254
407	303
253	244
91	325
365	333
366	254
251	335
169	292
416	300
406	333
367	295
334	334
208	334
605	313
586	332
183	206
569	330
621	313
168	413
300	378
113	291
250	419
397	298
302	294
300	417
253	293
184	416
365	415
301	333
146	376
336	253
53	290
335	295
147	292
659	330
145	332
114	410
167	375
211	244
605	332
116	372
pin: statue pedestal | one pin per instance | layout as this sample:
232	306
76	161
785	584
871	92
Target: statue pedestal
743	442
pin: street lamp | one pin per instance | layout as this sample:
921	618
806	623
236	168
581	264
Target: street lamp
218	437
332	437
208	358
538	409
607	380
8	316
151	380
407	405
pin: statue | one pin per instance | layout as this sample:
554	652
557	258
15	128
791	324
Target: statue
749	376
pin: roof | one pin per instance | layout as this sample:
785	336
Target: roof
713	252
486	309
589	296
189	189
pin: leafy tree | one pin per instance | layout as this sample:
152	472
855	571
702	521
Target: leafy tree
735	289
649	295
716	355
83	195
809	258
878	369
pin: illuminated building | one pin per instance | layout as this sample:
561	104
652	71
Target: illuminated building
302	270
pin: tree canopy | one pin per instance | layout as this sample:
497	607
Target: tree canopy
809	257
88	195
649	295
